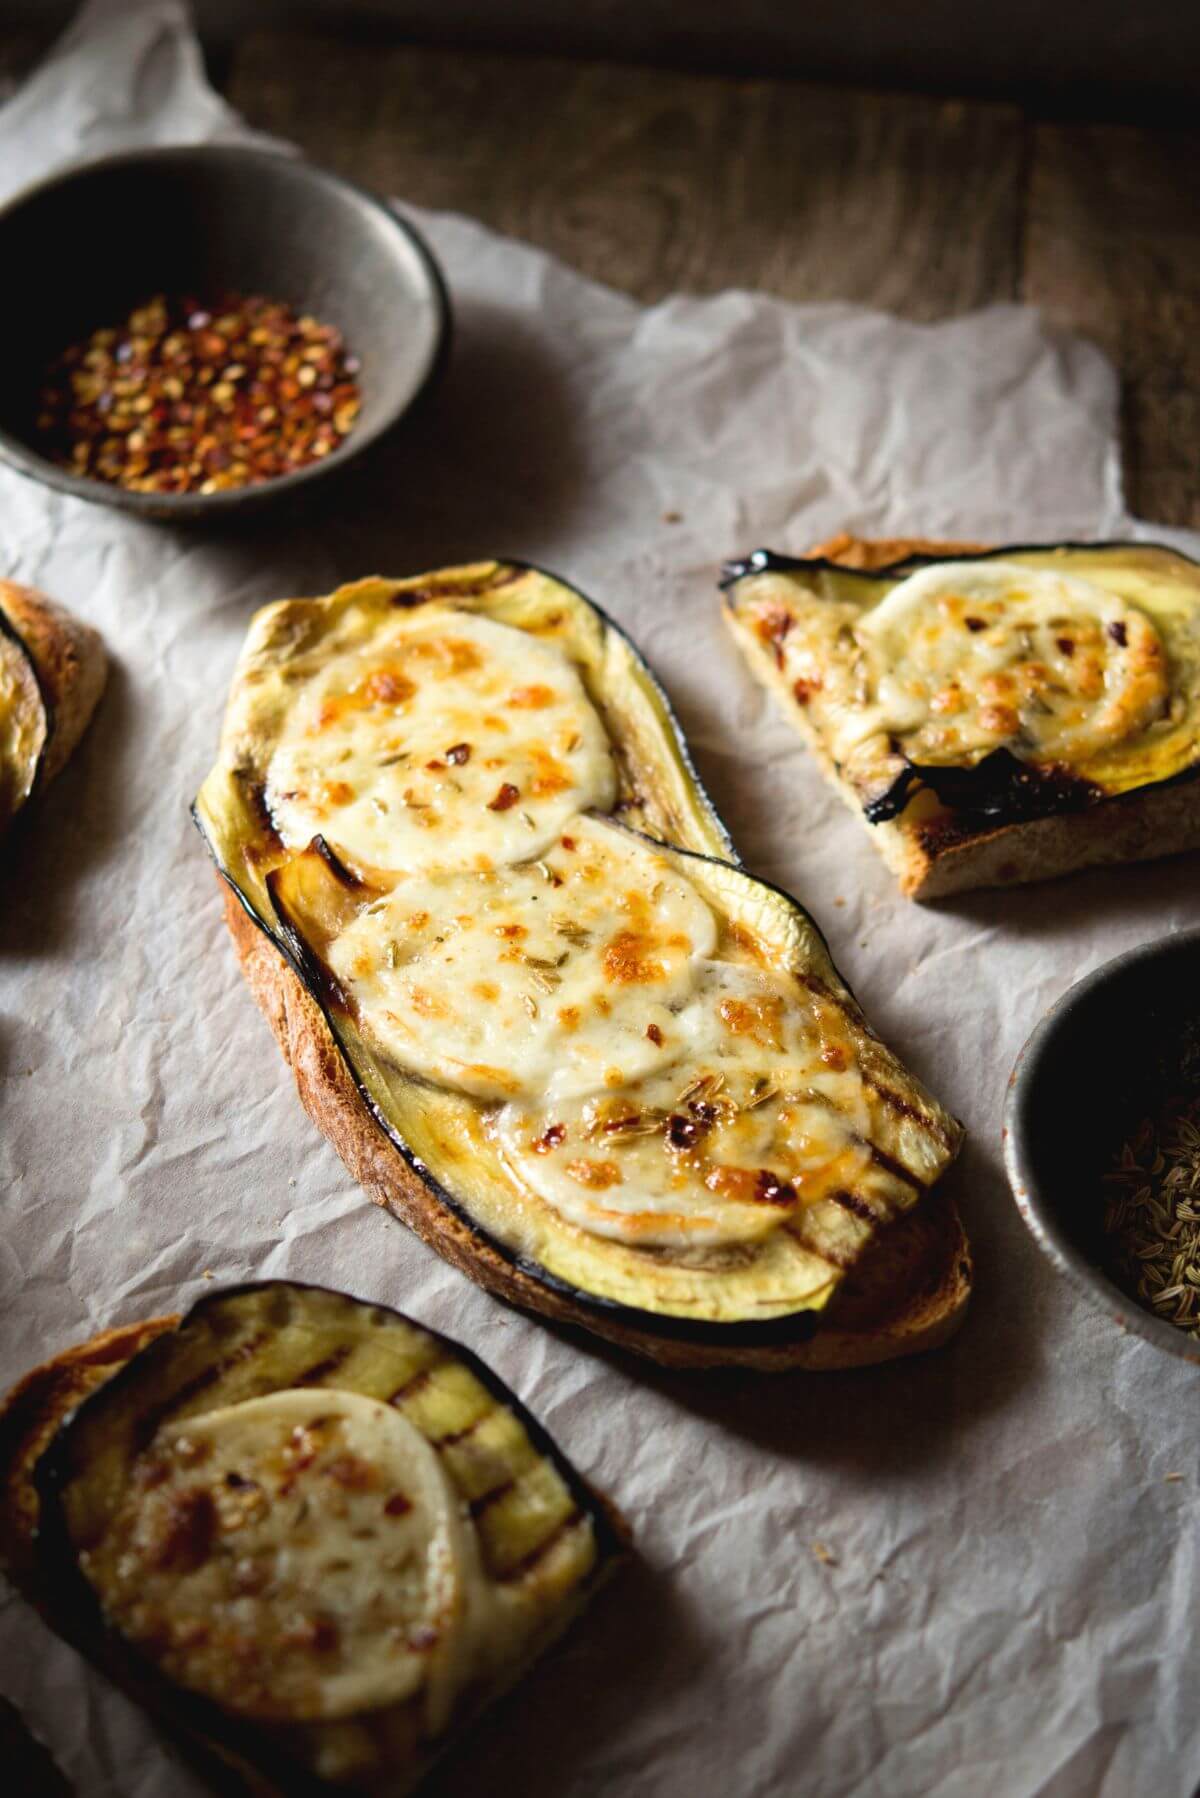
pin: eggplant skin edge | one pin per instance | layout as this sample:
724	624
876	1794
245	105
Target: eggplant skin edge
331	1091
229	1752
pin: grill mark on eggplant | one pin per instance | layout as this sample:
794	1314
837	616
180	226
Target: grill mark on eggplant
152	1421
453	1437
814	984
890	1165
416	1384
794	1228
527	1562
856	1206
902	1106
320	1370
491	1497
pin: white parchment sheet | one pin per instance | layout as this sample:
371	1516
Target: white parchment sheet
964	1575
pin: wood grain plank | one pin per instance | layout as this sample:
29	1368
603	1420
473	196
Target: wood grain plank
656	181
1113	250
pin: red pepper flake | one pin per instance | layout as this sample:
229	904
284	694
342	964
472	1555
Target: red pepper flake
182	397
458	753
320	1634
804	689
505	799
183	1535
655	1035
975	624
770	1190
397	1505
773	626
554	1135
683	1133
1066	646
1118	632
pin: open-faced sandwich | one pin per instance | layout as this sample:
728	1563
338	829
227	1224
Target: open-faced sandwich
312	1538
996	715
52	672
537	1006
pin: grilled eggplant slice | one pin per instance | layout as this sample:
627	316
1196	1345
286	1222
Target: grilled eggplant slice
996	715
311	1536
620	1078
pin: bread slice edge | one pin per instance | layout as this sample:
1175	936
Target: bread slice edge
70	663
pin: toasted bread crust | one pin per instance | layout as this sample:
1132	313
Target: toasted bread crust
936	1297
932	864
68	656
32	1412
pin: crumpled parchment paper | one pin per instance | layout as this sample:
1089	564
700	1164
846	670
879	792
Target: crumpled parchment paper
963	1575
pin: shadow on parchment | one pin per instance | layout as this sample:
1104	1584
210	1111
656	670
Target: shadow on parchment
891	1420
1093	896
491	458
79	822
639	1624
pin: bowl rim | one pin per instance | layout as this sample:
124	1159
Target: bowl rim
172	507
1037	1214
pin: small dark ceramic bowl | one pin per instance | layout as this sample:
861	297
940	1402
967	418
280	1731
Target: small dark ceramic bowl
83	248
1100	1061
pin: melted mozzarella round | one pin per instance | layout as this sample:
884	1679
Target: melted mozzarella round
561	978
768	1117
966	657
299	1556
449	741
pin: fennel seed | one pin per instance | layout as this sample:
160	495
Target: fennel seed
1152	1214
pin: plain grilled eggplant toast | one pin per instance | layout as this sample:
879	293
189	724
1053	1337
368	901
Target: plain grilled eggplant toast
52	672
993	715
537	1006
312	1538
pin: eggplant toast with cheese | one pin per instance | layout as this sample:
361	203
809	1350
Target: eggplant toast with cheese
310	1537
536	1004
52	672
993	715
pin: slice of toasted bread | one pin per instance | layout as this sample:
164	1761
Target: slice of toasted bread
933	862
911	1294
69	662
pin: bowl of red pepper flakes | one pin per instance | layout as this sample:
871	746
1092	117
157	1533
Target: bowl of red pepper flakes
197	331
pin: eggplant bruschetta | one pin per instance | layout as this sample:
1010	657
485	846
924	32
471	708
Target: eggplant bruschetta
310	1537
993	715
536	1003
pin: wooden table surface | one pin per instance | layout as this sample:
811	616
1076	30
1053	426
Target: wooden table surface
655	181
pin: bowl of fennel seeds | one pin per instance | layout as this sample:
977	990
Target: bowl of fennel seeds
1152	1207
1102	1140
